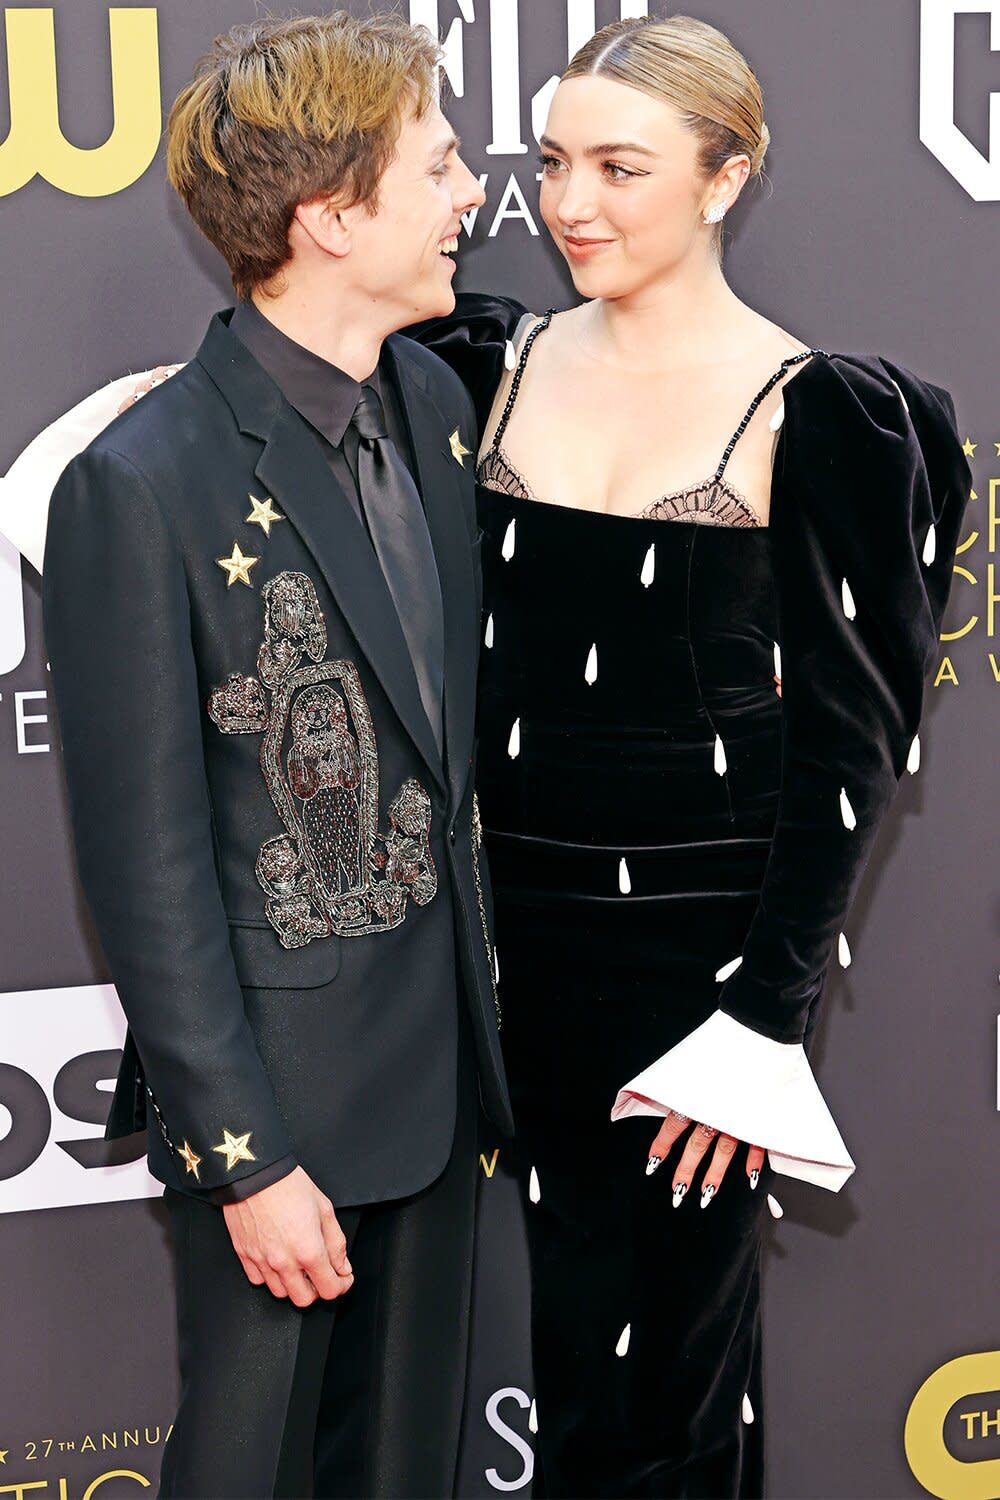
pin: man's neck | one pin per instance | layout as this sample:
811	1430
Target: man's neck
349	342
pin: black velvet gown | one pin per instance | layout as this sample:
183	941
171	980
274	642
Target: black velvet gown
645	792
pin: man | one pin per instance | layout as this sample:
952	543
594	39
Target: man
261	606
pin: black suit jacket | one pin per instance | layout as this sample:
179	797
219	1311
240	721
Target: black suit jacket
283	872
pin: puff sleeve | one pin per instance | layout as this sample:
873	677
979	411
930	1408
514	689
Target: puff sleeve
869	493
475	340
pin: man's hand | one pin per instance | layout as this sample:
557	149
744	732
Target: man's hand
288	1239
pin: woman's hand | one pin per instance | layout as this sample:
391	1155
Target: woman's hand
143	387
702	1137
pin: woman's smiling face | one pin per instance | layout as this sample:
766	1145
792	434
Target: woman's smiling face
622	194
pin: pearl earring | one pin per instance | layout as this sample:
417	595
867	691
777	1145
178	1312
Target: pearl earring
715	214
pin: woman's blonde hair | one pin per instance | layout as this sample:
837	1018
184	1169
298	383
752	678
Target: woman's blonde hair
693	67
284	111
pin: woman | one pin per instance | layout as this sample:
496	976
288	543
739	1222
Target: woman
671	487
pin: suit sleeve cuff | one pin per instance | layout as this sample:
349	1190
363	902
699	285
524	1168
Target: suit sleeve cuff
246	1187
749	1086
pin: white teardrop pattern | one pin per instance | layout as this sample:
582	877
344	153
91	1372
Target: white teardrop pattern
777	661
534	1187
488	637
776	1210
509	541
509	356
847	811
624	878
930	546
730	968
621	1348
844	956
514	743
533	1419
913	758
747	1412
850	608
776	421
648	567
720	756
590	670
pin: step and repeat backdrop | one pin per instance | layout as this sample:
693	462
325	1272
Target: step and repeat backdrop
877	230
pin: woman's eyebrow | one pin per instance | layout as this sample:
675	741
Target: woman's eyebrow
607	148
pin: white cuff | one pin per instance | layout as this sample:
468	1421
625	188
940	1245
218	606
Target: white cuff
759	1091
27	489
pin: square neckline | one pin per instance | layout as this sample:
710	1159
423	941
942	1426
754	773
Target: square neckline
805	358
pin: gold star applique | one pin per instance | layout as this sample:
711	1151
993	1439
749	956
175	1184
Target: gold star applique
192	1160
458	450
235	1148
237	567
997	447
3	1455
263	514
969	448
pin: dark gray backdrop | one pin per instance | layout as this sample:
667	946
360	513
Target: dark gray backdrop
862	240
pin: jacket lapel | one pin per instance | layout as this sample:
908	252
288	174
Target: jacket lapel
294	473
440	480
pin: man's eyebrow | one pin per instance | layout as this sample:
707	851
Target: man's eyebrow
606	148
444	147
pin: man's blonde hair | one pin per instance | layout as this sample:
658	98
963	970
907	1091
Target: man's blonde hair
281	112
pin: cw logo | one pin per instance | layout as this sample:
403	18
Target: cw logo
36	146
978	174
959	1390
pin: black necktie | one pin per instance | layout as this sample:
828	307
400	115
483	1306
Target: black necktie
402	543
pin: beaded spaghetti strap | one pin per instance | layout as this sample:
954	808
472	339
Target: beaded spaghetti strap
501	426
779	374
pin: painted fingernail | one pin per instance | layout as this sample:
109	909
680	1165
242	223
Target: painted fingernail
754	1177
680	1188
708	1195
652	1164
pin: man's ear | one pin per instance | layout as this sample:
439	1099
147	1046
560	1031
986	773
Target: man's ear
325	225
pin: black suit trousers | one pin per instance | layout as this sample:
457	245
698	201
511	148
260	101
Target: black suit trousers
361	1397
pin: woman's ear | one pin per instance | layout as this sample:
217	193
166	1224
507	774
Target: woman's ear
727	184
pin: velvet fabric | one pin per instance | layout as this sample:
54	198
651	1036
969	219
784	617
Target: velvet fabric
629	865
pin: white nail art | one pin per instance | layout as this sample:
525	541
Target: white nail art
679	1191
652	1165
488	637
777	660
777	1212
846	810
913	758
730	968
621	1348
747	1410
534	1187
850	608
648	567
590	671
720	756
708	1195
514	743
509	542
624	878
844	951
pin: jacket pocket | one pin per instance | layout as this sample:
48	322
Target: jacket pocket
262	963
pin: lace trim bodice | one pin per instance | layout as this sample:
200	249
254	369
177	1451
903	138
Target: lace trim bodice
712	502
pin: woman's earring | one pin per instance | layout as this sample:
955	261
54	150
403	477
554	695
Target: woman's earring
715	214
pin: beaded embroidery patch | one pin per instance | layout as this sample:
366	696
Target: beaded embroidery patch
331	870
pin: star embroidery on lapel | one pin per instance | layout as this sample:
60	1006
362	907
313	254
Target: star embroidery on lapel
263	514
235	1148
236	566
458	451
192	1160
